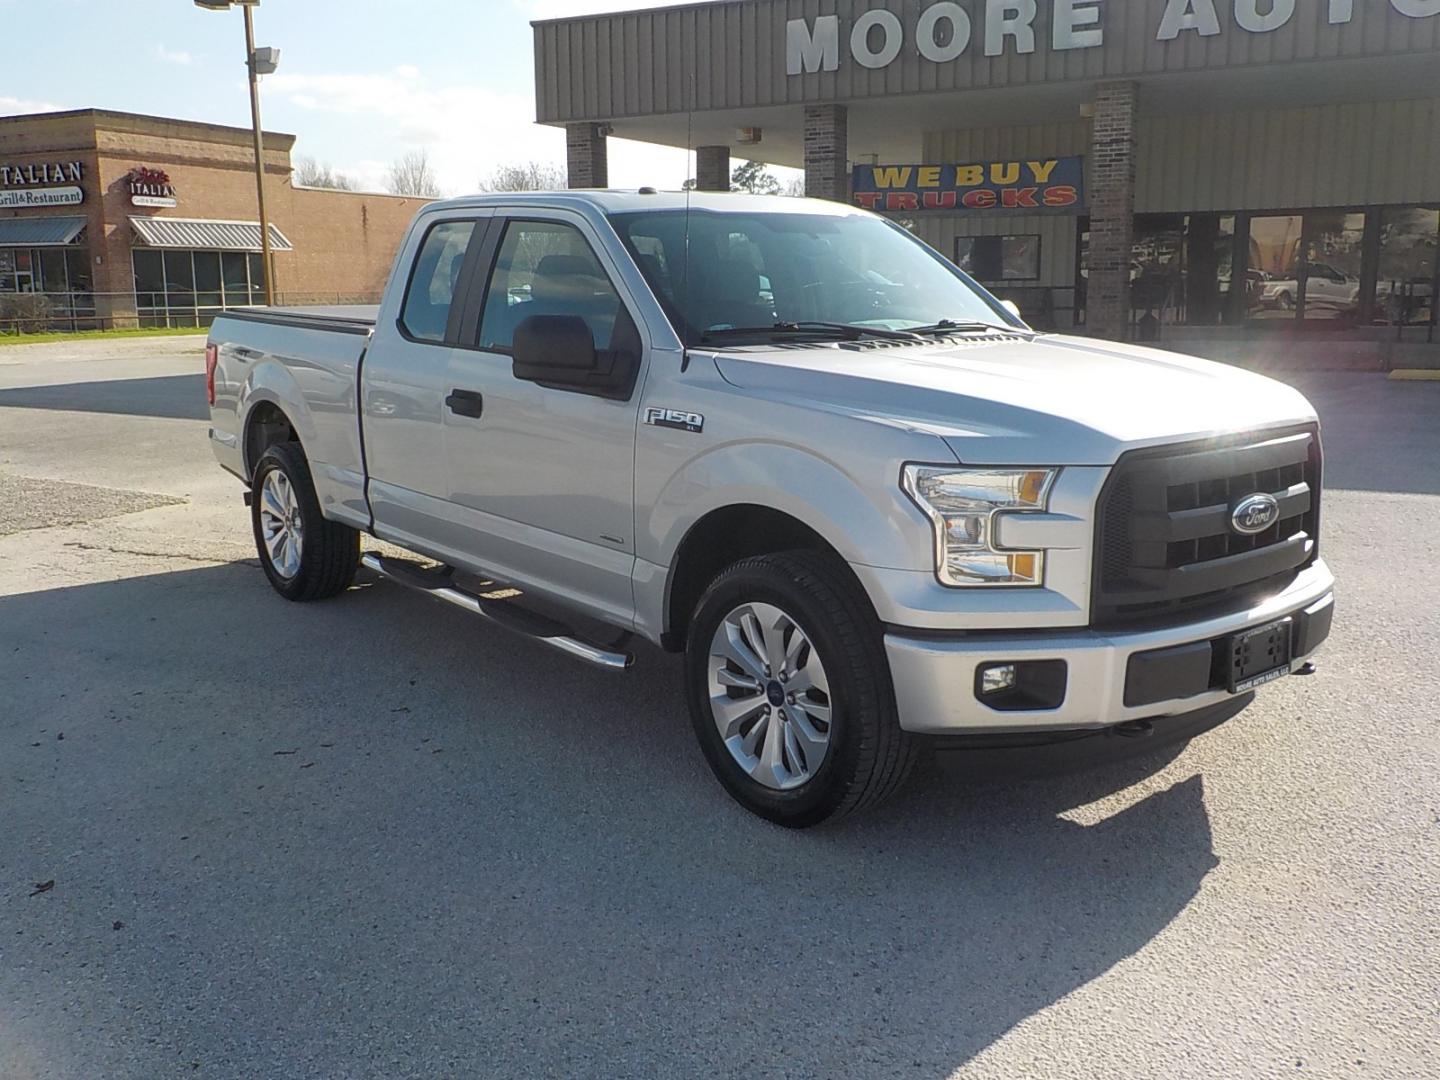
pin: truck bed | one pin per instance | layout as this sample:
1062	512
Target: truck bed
341	318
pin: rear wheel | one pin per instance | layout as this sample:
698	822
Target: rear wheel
790	693
305	556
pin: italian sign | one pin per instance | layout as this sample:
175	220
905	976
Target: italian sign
150	187
1025	185
50	196
31	185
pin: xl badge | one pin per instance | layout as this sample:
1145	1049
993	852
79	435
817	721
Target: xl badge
1254	514
678	419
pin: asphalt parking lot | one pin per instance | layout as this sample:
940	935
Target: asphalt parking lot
371	838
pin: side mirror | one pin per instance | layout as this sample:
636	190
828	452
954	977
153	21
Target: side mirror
1013	308
559	351
556	349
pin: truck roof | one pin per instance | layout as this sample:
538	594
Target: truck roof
615	200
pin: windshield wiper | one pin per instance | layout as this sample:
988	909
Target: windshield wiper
969	326
846	331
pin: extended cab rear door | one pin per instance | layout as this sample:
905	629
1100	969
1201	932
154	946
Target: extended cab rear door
404	381
543	478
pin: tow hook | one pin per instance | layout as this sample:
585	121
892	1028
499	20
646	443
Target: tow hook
1133	729
1307	668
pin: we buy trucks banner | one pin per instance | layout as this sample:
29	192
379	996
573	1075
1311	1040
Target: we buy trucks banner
1025	184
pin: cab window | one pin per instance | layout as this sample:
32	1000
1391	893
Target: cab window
428	298
547	268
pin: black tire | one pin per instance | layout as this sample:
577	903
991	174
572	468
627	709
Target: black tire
330	551
869	755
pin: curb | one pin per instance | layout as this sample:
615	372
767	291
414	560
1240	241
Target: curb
1416	374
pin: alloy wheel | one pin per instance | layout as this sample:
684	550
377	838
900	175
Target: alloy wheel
769	696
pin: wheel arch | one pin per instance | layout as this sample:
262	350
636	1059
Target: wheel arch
266	423
724	536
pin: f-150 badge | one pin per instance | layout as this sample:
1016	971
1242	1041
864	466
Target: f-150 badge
678	419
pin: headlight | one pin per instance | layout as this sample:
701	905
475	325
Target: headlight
963	504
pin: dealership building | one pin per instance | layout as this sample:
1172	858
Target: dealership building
1223	175
112	219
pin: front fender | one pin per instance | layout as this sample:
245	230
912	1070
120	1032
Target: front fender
857	507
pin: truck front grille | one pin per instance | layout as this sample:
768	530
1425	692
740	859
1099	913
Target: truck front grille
1165	549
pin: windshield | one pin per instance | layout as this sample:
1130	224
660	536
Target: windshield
757	270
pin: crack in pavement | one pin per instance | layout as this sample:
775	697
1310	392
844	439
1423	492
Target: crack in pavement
160	554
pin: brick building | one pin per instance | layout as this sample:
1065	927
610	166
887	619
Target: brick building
117	220
1221	174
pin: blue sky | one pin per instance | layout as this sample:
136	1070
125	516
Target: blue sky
360	81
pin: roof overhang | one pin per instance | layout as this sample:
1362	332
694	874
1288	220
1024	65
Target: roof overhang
40	232
205	235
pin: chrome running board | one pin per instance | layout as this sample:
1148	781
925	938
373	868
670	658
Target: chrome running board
519	620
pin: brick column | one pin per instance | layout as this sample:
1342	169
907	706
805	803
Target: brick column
712	168
827	151
1112	210
586	162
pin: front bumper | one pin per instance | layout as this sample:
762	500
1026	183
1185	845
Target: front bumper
935	674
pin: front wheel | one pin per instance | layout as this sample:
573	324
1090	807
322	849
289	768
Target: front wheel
305	556
790	693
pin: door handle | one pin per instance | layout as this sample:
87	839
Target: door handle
465	403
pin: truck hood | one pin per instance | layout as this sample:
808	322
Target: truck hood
1009	400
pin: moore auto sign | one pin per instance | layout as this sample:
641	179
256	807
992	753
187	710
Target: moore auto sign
944	30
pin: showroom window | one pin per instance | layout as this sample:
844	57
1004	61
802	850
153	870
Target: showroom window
1306	266
56	281
1181	268
1407	269
176	287
997	259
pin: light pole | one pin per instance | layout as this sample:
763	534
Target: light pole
257	62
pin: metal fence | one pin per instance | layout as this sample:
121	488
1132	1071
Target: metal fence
41	312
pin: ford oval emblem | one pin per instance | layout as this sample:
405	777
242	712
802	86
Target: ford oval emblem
1254	514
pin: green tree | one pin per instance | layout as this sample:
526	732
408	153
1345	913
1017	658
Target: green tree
755	178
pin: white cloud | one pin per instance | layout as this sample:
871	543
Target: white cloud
174	56
468	130
13	106
408	71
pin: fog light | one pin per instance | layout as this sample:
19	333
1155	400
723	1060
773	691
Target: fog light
996	677
1021	685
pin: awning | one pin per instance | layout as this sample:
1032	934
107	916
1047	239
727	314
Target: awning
169	232
40	231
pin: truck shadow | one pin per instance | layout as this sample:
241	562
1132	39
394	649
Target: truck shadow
376	822
173	397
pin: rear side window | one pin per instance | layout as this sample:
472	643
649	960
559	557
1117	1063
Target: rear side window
547	268
432	283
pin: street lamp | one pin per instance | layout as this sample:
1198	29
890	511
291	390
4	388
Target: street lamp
258	62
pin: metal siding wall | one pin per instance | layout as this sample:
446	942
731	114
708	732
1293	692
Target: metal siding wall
649	73
1323	155
1057	231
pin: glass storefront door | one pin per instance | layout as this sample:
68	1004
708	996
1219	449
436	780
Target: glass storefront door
1272	267
1331	269
1305	266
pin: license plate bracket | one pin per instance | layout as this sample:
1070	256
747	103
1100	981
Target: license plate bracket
1260	655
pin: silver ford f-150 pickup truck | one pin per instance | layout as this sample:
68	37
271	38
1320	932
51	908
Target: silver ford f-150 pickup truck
868	502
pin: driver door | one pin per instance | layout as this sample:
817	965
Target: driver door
543	479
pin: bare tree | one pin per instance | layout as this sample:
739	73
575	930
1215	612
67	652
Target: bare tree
317	174
526	176
413	175
795	188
